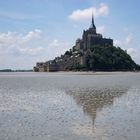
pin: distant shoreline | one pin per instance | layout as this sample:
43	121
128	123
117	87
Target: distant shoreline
10	70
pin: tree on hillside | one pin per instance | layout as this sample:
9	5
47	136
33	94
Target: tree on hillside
108	58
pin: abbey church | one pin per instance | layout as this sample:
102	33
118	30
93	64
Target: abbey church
77	55
91	37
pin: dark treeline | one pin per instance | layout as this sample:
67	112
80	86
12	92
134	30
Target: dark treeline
10	70
106	58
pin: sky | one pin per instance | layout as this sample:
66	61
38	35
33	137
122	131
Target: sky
39	30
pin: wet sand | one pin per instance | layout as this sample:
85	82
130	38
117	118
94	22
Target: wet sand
70	106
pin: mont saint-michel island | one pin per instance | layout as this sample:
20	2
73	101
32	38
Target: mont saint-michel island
69	70
92	52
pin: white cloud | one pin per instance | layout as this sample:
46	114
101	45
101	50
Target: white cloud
18	50
32	34
14	39
56	48
131	51
55	43
83	14
135	54
117	42
101	29
16	44
27	51
126	41
126	44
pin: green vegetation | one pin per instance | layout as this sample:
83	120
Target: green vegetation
35	69
138	67
68	53
107	58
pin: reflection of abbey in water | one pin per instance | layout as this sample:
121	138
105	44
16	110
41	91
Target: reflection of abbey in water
95	99
76	55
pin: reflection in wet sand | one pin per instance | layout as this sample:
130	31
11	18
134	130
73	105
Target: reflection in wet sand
93	100
69	107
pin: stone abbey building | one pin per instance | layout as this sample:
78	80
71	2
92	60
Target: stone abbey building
76	55
90	38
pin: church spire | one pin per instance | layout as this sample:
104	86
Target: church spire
92	19
92	23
